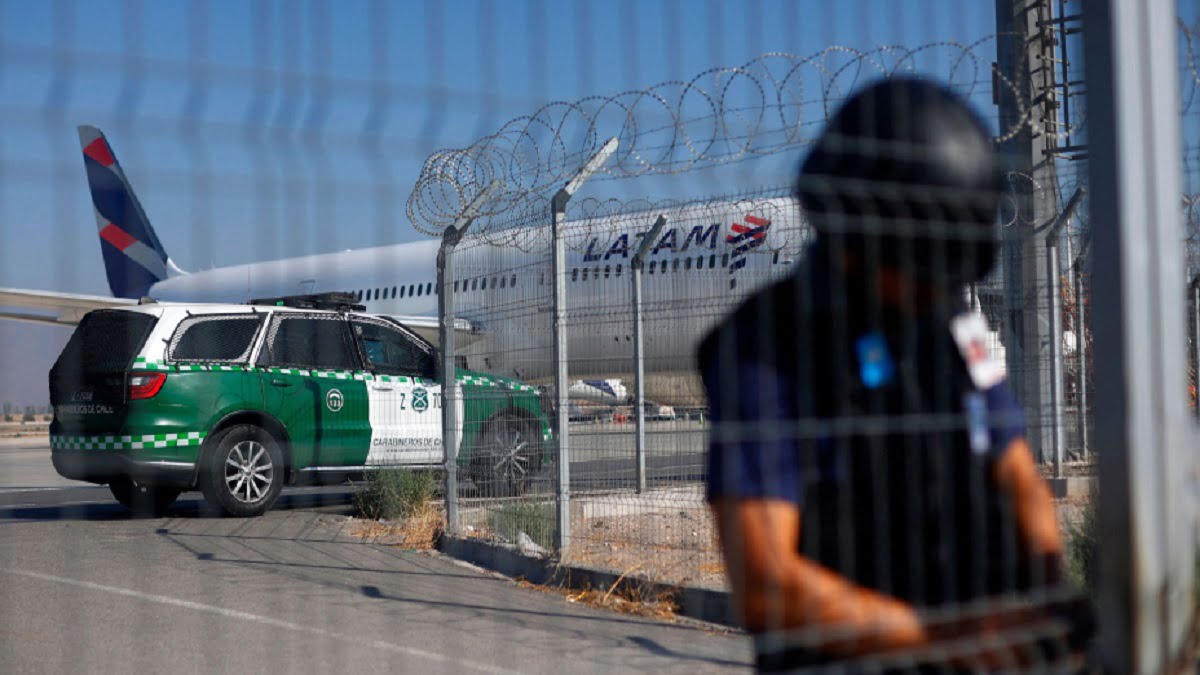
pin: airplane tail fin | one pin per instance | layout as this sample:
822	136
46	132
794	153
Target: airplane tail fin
134	258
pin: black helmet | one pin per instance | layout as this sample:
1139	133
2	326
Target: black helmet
905	174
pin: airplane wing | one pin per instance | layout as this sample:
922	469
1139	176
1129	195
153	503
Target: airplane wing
62	309
427	327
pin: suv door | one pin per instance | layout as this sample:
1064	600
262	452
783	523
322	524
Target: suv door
405	399
314	385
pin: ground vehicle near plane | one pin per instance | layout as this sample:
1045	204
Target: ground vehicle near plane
238	400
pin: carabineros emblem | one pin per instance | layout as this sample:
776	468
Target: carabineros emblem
420	400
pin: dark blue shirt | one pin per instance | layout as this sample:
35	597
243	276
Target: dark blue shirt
870	421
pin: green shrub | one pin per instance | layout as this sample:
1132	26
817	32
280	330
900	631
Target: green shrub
1082	546
394	493
536	519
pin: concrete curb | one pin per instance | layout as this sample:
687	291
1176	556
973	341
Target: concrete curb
703	604
1072	486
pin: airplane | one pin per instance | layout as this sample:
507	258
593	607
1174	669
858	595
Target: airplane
710	256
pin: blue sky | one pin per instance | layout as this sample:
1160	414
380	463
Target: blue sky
253	130
259	130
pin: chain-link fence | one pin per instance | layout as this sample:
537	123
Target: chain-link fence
589	245
622	487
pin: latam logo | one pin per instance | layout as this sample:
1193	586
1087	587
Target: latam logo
745	238
742	238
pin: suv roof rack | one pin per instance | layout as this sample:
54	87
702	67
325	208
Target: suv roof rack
335	300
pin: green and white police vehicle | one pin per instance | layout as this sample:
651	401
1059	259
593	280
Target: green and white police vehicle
239	400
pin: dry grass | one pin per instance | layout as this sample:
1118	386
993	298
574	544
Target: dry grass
627	595
418	531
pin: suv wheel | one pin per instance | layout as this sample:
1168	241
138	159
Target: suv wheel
143	500
508	453
243	473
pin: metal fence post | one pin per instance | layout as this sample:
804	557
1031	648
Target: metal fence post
639	373
1054	291
1196	337
451	393
1144	439
558	212
1081	350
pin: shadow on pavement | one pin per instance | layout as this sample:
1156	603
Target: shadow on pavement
188	506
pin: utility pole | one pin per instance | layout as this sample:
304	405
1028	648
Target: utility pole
1026	101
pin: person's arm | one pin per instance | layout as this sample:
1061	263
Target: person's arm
1033	506
776	588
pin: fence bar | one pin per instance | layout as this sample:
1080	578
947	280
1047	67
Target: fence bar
558	215
1054	291
1196	338
1081	350
451	392
1142	435
639	387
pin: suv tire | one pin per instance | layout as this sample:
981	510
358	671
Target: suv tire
507	455
242	473
143	500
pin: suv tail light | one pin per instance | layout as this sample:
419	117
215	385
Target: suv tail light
145	385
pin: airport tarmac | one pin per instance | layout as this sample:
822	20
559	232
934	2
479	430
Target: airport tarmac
85	586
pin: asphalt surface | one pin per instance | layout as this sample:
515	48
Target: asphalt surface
84	587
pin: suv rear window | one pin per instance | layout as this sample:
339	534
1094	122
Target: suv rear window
214	338
105	342
98	353
316	342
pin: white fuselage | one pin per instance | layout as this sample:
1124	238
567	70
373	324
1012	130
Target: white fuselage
695	274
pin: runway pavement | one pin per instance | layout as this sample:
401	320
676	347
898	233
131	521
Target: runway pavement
85	587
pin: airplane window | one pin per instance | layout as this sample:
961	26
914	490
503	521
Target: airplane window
513	282
725	260
712	261
493	283
483	286
618	269
455	286
575	274
503	282
675	265
687	263
402	291
775	258
429	288
393	292
419	289
653	264
411	290
475	284
542	279
607	270
699	262
376	293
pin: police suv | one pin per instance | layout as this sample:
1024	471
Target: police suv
238	400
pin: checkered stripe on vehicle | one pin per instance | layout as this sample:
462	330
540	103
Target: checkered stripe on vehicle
143	364
325	374
181	440
489	382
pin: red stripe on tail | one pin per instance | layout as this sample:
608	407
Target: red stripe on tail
98	150
117	237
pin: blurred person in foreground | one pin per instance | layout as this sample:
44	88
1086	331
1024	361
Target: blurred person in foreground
877	503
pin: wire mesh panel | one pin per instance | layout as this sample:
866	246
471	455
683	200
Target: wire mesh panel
790	306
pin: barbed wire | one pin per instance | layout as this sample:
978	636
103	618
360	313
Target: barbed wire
774	103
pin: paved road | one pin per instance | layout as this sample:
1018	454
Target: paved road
84	587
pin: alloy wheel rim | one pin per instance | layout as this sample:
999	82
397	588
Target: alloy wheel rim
510	458
249	472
